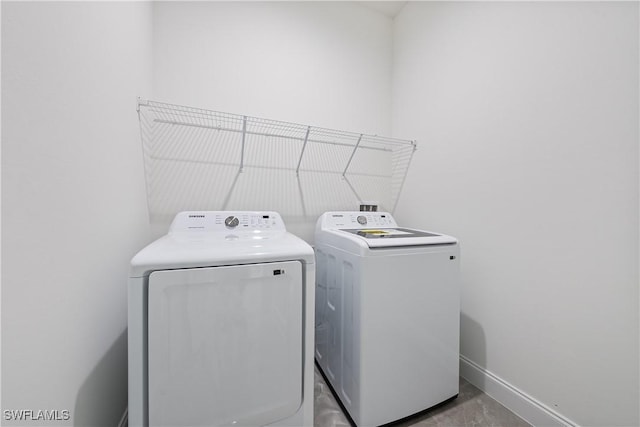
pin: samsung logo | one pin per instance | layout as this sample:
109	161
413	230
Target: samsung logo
196	216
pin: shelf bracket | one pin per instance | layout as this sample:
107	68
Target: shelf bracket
304	145
141	102
353	153
244	134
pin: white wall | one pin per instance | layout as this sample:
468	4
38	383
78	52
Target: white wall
526	116
317	63
73	207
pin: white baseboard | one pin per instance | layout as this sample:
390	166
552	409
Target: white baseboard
526	407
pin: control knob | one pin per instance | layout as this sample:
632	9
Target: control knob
362	220
231	221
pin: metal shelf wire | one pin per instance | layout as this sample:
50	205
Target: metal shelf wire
210	160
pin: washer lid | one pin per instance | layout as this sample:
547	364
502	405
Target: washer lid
393	237
390	233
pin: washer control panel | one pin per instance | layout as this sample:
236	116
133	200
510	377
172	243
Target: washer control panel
351	220
212	221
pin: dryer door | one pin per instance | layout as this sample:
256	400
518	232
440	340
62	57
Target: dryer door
225	345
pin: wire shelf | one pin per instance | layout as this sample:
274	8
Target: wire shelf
198	159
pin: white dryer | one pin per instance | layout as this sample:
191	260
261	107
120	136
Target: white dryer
387	315
221	317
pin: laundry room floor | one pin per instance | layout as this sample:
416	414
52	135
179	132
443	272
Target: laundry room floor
471	408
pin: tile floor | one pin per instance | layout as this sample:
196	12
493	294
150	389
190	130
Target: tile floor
471	408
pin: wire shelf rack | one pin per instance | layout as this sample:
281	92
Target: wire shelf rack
198	159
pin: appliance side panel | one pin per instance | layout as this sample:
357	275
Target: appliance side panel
342	317
321	320
309	371
348	335
334	316
137	366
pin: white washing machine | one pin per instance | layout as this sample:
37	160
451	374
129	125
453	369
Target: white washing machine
387	315
221	315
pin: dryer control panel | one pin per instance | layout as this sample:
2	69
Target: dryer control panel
224	221
351	220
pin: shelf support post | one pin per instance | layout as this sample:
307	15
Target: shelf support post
306	139
353	153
